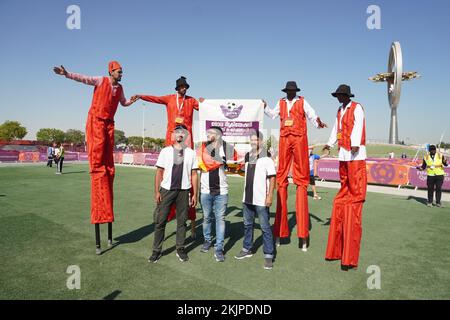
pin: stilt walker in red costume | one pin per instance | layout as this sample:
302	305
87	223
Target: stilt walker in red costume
100	139
180	111
293	146
349	132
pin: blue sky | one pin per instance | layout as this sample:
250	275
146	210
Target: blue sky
226	49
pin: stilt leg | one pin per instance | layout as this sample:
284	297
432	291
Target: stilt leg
109	234
98	250
193	235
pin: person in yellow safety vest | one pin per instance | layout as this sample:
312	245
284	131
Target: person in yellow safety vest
434	163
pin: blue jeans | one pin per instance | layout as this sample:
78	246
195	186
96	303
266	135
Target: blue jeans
249	218
214	207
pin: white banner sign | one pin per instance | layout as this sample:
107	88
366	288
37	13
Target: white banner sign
236	117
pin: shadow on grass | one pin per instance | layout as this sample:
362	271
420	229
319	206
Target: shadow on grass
74	172
233	233
109	248
232	209
420	200
136	235
113	295
315	218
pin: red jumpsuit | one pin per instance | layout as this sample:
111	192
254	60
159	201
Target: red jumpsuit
177	114
181	114
293	145
100	140
344	237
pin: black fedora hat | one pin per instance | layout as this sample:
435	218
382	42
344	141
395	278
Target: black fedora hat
181	81
343	89
291	86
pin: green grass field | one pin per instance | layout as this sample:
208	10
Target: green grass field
45	227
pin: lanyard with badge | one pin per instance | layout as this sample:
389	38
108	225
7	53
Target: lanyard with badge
179	119
289	122
433	164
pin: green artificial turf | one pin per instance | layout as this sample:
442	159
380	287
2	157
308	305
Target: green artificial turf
45	227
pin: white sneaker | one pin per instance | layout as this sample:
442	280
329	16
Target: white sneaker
304	248
277	242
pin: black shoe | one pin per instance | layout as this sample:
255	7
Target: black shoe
243	254
268	263
219	256
206	246
155	257
347	268
182	256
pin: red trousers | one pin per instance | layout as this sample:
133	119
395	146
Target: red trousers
345	233
100	140
290	148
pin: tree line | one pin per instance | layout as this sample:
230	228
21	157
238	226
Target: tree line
14	130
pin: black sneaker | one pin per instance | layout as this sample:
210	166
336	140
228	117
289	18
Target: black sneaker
243	254
206	246
219	256
155	257
268	263
182	256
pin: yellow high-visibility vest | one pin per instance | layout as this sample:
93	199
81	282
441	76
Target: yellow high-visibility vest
434	167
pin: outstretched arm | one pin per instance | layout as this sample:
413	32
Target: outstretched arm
126	103
333	138
92	81
155	99
271	113
312	116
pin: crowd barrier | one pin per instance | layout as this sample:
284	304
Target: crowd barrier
395	172
9	156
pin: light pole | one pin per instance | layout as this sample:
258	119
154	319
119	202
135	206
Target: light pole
143	126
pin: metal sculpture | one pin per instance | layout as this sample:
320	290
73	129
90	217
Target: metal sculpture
394	78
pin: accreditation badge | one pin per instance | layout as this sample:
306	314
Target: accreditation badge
179	120
289	122
339	135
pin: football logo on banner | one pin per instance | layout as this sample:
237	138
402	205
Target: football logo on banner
237	118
